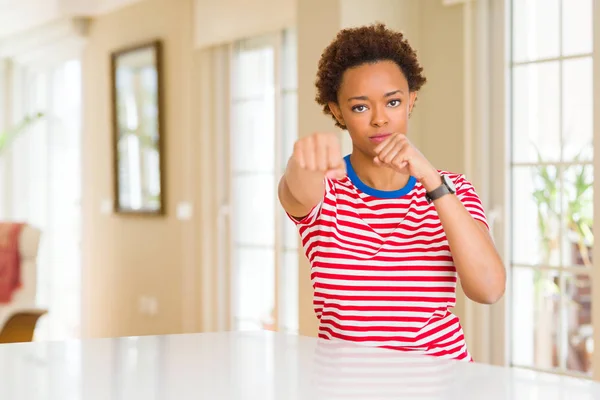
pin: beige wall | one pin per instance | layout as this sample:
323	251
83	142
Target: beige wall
129	257
126	258
441	102
224	21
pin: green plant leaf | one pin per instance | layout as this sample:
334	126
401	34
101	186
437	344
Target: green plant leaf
7	137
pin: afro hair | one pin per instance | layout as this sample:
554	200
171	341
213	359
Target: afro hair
353	47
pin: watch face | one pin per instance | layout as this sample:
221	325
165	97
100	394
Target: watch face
449	183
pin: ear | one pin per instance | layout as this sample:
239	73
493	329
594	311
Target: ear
411	101
337	113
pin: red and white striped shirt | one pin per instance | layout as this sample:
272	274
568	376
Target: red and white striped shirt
381	266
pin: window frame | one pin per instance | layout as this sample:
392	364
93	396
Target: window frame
499	325
277	41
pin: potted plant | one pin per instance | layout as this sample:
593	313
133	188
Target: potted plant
576	220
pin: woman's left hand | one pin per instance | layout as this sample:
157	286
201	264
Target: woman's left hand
398	153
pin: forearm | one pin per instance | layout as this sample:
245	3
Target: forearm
478	264
300	190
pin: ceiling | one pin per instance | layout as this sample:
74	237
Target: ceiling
21	15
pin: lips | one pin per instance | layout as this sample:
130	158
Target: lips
380	137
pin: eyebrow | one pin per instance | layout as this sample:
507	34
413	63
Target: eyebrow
366	98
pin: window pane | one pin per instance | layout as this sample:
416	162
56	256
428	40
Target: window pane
254	209
245	324
253	109
4	166
290	64
577	111
536	29
253	135
288	306
578	207
577	301
535	309
577	27
552	202
536	112
535	215
291	237
254	283
290	125
4	170
47	189
30	156
254	72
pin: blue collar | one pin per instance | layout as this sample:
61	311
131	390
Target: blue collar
383	194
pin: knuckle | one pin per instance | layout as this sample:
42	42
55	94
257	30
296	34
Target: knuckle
298	149
319	139
308	142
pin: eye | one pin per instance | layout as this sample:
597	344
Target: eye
394	103
359	108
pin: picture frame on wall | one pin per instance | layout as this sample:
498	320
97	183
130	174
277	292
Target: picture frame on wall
138	129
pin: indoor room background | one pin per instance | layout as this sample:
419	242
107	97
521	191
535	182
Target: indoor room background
195	241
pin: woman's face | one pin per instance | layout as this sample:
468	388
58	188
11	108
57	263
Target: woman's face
374	102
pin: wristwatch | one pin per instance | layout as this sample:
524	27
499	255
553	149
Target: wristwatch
445	188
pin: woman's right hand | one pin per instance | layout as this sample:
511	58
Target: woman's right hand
302	186
320	152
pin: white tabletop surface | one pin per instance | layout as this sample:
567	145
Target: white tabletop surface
258	365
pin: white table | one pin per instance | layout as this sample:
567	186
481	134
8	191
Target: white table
258	365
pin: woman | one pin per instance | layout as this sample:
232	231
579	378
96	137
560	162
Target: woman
386	233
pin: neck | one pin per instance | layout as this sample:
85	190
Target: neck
377	177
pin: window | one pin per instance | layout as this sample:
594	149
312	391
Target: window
263	130
288	255
551	179
3	126
45	188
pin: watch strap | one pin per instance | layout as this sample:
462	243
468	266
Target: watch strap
446	187
438	192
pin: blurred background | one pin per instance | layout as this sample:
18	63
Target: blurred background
142	142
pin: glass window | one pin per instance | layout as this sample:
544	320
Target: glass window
45	187
551	177
3	128
263	130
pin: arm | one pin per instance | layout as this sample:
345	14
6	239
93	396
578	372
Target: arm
315	157
478	264
300	190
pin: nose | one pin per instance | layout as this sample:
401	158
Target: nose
379	117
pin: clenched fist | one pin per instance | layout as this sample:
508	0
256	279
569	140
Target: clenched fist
320	152
398	153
